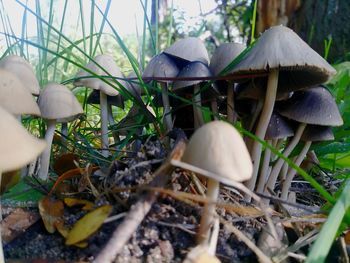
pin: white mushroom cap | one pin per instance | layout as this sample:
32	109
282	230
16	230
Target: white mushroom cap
58	103
218	148
107	62
189	49
23	70
14	97
17	147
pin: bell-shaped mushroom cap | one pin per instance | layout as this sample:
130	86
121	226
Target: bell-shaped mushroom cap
280	48
94	98
194	69
58	103
189	49
316	133
14	97
224	55
109	65
278	128
23	70
218	148
312	106
17	147
161	66
254	89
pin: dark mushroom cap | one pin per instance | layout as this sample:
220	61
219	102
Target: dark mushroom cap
195	69
280	48
161	66
254	89
188	49
313	106
94	98
224	55
317	133
278	128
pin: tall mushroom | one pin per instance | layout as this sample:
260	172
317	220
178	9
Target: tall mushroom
102	65
58	105
218	148
289	63
17	148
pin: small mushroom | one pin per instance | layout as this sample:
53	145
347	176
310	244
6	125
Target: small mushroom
58	105
218	148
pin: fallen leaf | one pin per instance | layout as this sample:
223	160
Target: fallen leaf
87	205
51	211
65	162
88	224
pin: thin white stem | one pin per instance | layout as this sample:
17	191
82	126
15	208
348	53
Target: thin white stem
264	170
207	218
277	167
287	183
45	156
197	105
283	173
263	123
230	103
104	124
168	122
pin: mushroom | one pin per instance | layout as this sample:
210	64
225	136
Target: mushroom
23	70
312	133
218	148
313	106
289	63
102	65
163	66
58	105
17	148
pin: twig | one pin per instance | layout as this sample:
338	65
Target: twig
137	213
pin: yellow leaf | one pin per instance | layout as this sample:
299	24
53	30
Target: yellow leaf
88	225
87	205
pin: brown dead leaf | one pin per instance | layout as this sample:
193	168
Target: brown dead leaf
88	224
87	205
16	223
51	211
65	162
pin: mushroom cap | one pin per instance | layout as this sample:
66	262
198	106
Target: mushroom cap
219	148
316	133
58	103
161	66
14	97
136	88
23	70
281	48
278	128
224	55
189	49
313	106
17	147
94	98
195	69
108	64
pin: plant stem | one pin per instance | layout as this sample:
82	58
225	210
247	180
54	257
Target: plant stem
287	183
168	122
266	113
104	124
208	213
112	122
264	170
45	157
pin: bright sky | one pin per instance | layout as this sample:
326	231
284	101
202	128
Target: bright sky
124	15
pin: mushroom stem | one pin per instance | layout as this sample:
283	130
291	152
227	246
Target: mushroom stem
230	103
283	173
208	213
265	116
197	111
168	122
45	157
112	122
287	183
264	170
256	114
277	167
214	108
104	124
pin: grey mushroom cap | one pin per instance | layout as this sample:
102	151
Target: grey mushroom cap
278	128
224	55
316	133
313	106
194	69
281	48
254	89
161	66
189	49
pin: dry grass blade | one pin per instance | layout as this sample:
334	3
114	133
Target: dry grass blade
131	222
